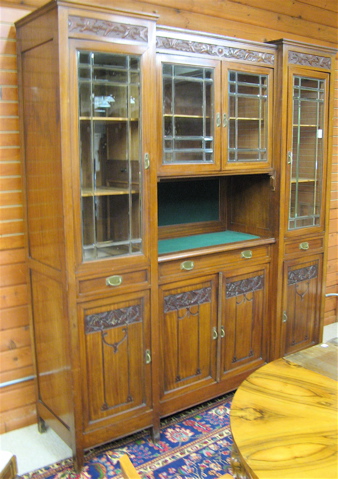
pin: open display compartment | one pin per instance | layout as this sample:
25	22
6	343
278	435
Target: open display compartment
204	212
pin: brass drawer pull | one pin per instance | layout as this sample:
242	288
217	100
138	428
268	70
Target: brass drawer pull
304	246
214	334
114	280
247	254
222	332
187	265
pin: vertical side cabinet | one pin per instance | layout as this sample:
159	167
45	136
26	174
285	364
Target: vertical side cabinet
305	89
86	93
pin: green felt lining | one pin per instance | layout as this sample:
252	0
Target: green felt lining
200	241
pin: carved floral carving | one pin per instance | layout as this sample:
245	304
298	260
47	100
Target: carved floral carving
105	28
302	274
112	319
306	59
244	286
219	51
174	302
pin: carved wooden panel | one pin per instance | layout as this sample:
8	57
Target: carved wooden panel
220	51
300	303
243	318
112	318
187	299
189	314
115	342
305	59
108	29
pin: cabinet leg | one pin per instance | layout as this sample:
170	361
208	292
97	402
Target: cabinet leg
78	459
41	425
155	432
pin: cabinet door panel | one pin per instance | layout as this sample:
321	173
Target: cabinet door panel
188	322
244	314
116	337
247	113
190	102
302	281
307	145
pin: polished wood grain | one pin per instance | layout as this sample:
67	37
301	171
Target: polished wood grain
284	423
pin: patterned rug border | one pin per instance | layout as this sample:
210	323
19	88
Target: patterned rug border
147	467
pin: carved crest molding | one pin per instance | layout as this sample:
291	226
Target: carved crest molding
219	51
105	28
305	59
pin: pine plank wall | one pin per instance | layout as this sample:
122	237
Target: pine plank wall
312	21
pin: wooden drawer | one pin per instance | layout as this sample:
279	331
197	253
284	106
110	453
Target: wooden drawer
312	245
109	283
212	262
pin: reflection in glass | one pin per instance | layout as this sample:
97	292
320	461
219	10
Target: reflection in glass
306	156
110	153
248	117
187	114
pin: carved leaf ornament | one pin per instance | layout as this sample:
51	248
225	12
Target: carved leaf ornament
104	28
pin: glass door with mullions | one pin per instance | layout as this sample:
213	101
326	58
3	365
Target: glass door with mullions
110	154
188	109
307	154
247	117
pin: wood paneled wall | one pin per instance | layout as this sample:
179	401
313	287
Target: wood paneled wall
313	21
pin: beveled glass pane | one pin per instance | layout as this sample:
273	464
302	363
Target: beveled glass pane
307	152
248	117
187	114
110	154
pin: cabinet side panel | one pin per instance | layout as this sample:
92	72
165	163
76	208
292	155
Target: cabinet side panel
51	343
41	118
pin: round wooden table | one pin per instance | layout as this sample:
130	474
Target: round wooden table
284	422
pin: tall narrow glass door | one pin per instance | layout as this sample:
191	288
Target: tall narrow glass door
110	154
306	156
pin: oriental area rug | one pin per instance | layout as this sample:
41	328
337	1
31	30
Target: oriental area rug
195	444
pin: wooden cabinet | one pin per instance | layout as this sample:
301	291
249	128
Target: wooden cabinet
86	108
305	92
213	326
217	102
176	186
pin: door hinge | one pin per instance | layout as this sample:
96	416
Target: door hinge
289	157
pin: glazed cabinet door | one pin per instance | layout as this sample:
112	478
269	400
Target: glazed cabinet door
244	319
112	156
307	150
301	303
190	98
116	358
188	338
246	116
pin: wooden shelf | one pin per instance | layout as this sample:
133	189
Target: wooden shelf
302	180
106	118
106	191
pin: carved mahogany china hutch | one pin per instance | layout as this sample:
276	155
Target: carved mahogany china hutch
176	189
